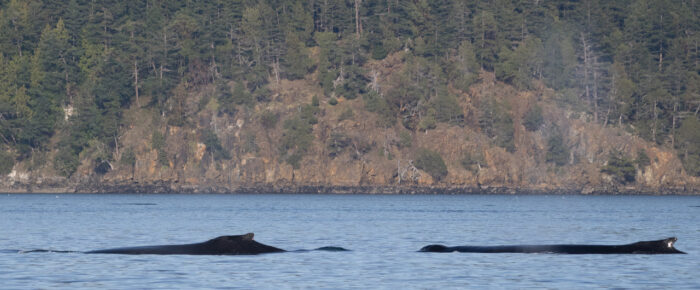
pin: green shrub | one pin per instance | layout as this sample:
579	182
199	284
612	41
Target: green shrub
308	113
496	123
428	121
66	161
533	118
297	63
203	102
557	152
163	158
158	143
620	168
333	101
297	134
464	70
642	159
375	103
296	140
128	157
177	119
211	140
432	163
337	143
7	162
269	119
225	98
249	144
262	94
157	140
691	163
346	115
294	160
327	76
447	109
689	145
241	95
405	139
472	162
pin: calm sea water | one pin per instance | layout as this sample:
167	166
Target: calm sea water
384	232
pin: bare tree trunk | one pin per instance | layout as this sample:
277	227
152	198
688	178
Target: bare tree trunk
136	83
595	90
116	148
585	68
375	81
661	48
697	59
673	124
611	94
653	128
214	71
276	70
65	75
483	36
358	23
165	51
398	170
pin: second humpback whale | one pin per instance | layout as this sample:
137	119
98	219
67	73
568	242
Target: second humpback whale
664	246
223	245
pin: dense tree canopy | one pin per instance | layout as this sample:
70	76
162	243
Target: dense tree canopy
74	66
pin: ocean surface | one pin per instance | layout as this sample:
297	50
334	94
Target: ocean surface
383	233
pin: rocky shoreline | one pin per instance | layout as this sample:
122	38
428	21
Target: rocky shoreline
160	187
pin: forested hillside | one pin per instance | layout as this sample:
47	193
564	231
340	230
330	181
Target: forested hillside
224	94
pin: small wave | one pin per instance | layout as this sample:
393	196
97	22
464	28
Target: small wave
332	249
135	203
43	251
327	249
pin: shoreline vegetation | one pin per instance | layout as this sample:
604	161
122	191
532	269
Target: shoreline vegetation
448	96
164	187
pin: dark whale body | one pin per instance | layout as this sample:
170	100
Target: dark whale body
223	245
664	246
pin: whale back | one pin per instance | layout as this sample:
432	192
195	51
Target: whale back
435	248
665	246
223	245
237	245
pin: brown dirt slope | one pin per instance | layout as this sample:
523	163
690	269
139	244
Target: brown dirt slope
372	160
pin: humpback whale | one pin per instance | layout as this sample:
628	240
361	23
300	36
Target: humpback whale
664	246
223	245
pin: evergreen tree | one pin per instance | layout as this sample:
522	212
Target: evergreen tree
296	60
689	145
48	85
557	152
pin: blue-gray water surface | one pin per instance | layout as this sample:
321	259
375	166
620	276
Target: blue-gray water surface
384	233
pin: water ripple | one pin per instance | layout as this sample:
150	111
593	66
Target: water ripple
384	233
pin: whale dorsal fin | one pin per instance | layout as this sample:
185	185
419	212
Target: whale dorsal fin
670	241
248	236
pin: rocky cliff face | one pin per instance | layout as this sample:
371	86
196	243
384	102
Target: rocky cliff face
371	158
